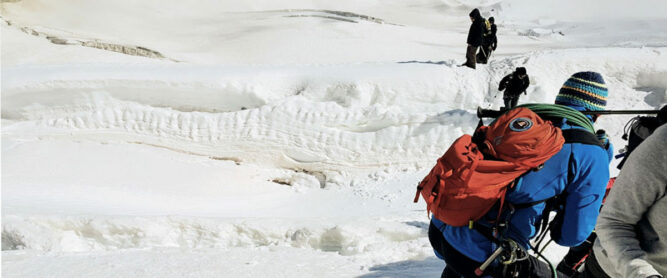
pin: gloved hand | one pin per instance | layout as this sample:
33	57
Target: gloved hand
655	276
566	269
602	136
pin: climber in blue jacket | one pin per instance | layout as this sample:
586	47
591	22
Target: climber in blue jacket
577	176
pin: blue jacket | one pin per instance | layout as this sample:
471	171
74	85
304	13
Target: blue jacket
587	168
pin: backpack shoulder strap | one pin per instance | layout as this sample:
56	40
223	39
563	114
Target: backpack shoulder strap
574	135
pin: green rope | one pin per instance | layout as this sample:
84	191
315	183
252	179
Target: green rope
560	111
556	110
554	272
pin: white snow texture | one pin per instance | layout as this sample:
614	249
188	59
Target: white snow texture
270	138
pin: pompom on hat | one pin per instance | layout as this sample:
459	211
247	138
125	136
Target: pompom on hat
584	91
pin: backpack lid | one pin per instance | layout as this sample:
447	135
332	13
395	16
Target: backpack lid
549	111
522	137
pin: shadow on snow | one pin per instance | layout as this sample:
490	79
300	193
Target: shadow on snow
447	63
429	267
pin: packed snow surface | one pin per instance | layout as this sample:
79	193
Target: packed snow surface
270	138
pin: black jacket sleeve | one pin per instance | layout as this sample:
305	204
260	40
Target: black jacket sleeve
494	39
503	82
475	32
524	86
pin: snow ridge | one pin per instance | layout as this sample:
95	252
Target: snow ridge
83	234
55	38
276	117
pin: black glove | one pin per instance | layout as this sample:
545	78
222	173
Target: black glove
655	276
602	136
566	269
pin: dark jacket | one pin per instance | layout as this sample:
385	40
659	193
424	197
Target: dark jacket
491	41
476	29
513	85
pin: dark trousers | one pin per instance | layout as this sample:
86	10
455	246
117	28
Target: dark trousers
576	256
458	265
592	269
484	54
471	60
511	102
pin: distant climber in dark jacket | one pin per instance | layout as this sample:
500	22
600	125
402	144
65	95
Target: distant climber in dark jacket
474	37
494	30
514	84
489	42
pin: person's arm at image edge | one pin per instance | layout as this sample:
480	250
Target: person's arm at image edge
641	182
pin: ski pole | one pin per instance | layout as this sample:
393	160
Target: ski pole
488	113
620	112
480	270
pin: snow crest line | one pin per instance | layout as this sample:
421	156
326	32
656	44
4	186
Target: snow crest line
295	123
296	135
81	234
133	50
337	15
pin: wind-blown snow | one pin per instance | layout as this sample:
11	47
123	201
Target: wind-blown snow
267	139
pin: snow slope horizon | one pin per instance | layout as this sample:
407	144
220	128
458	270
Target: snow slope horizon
286	144
315	32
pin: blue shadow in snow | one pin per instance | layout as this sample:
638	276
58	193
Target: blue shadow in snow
426	62
418	224
429	267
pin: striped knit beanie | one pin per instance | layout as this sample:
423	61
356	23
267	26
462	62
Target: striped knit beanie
584	89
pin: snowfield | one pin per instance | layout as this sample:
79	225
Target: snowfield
264	138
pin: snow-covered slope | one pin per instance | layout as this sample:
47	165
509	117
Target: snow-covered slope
264	138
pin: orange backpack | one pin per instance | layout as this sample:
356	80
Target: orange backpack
474	174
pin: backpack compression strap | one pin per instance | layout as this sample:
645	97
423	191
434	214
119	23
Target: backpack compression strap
581	136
